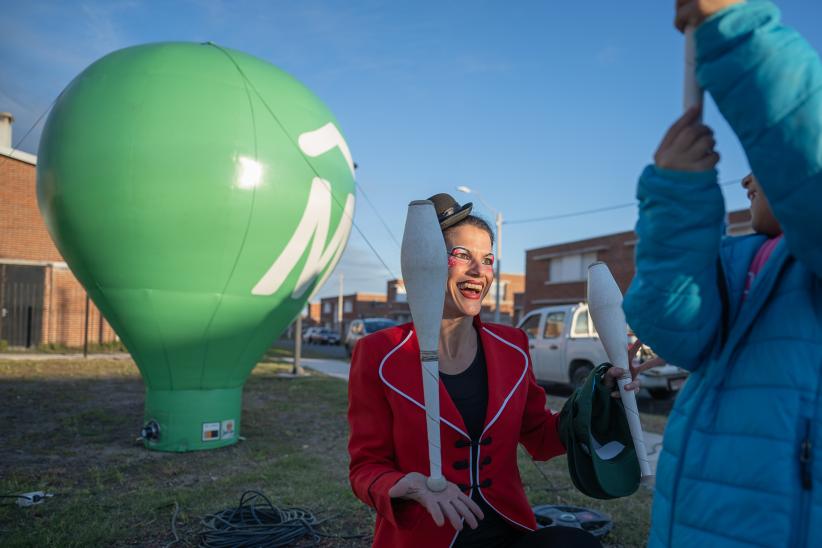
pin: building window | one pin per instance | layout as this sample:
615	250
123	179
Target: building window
326	308
492	292
401	296
571	268
348	306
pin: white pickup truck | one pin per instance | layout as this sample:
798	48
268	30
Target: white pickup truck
565	347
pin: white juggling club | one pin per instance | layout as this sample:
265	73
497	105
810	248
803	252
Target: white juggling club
425	270
692	93
605	307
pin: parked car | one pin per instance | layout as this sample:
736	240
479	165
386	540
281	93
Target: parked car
321	335
310	333
327	336
360	328
565	347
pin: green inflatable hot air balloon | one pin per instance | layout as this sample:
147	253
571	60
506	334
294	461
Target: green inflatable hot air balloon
201	196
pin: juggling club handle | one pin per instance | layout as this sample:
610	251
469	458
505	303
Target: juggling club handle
629	403
692	93
431	392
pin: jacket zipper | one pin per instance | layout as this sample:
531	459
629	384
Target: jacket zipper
806	482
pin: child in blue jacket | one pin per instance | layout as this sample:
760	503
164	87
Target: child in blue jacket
741	463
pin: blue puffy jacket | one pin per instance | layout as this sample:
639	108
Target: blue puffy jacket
741	463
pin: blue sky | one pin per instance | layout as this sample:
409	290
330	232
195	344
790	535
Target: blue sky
544	107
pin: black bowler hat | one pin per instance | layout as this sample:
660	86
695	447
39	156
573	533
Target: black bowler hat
449	211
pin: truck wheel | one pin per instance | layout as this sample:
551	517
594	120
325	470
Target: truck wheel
579	374
660	393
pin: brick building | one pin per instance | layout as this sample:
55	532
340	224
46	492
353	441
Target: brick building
354	306
394	303
511	285
41	302
313	315
557	274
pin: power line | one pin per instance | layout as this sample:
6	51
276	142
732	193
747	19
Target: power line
394	276
310	166
15	148
377	213
270	111
590	211
565	215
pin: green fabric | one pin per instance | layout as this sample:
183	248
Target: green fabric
591	415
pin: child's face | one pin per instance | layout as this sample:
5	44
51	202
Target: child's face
762	218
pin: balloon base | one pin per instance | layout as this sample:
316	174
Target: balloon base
193	420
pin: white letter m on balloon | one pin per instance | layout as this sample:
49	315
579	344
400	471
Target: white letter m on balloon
314	225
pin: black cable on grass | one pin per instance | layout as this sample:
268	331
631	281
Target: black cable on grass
174	525
257	522
549	488
11	496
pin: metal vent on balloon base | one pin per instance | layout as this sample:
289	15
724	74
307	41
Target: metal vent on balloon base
595	523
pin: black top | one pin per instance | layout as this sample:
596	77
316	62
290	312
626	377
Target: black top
469	391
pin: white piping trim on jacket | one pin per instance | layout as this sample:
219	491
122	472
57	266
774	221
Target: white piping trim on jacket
504	403
406	396
514	389
479	490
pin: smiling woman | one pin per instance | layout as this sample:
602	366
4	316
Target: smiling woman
489	403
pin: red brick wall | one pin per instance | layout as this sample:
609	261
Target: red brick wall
23	236
64	312
617	251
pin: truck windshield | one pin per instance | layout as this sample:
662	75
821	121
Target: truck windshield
372	326
531	326
554	323
581	324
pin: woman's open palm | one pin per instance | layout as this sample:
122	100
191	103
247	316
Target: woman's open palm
451	503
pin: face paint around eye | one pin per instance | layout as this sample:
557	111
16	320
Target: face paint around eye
462	255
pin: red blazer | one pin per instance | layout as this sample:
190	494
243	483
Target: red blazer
388	437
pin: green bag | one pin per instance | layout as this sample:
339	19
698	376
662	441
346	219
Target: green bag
593	427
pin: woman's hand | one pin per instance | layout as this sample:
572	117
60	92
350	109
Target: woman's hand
688	145
615	373
691	13
451	503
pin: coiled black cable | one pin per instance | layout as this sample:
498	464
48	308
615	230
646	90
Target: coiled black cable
257	523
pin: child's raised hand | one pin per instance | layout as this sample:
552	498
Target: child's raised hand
691	13
688	145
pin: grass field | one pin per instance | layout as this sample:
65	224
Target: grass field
70	428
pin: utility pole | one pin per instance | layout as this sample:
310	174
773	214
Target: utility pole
340	309
498	261
298	345
85	331
498	258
